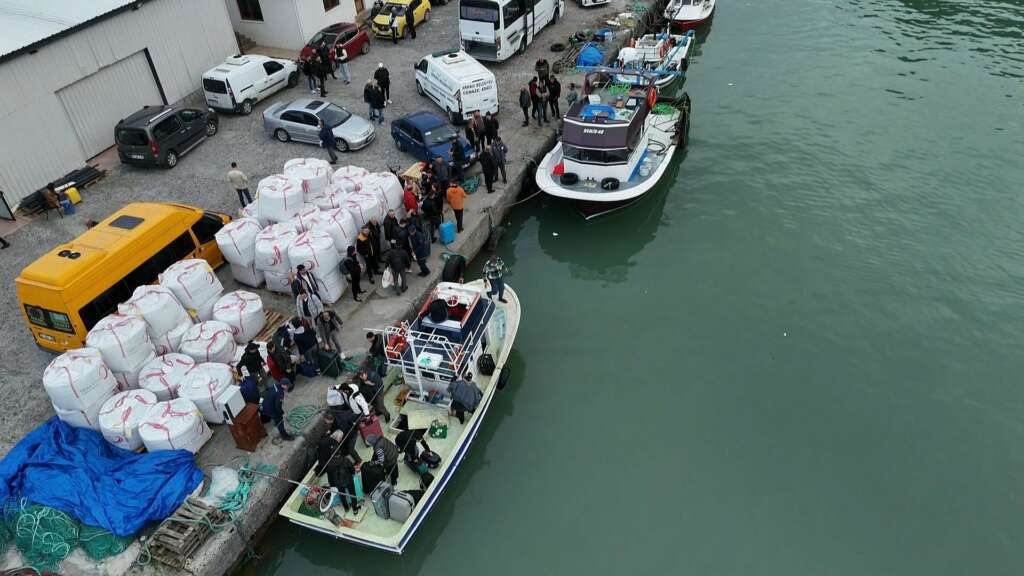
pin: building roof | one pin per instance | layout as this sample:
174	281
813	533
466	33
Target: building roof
27	23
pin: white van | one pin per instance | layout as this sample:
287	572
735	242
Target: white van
457	83
242	81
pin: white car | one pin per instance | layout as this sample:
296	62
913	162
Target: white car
242	81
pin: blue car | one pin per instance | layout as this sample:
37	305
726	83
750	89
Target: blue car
427	136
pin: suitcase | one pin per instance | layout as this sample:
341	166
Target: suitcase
248	429
430	458
426	479
381	498
447	232
330	363
417	466
485	364
306	369
370	425
400	506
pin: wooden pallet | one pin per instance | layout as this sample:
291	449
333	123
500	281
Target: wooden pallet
183	533
274	320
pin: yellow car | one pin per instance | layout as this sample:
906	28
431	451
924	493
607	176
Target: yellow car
397	10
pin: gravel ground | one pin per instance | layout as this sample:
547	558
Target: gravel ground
199	179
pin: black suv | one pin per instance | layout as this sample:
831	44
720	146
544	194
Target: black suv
159	135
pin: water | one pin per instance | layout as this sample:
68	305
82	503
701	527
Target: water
801	356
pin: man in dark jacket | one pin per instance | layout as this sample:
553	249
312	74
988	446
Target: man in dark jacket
350	266
383	78
432	213
308	70
376	237
441	173
474	133
402	237
399	263
458	159
369	251
340	468
340	418
390	227
554	93
420	249
378	96
272	408
321	74
524	103
534	100
375	352
369	99
500	151
325	56
410	18
490	128
385	454
454	269
327	141
252	362
489	168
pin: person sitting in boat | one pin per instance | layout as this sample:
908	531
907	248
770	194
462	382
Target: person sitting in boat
385	455
339	466
465	395
408	440
340	418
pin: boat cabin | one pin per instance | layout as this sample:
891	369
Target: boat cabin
445	340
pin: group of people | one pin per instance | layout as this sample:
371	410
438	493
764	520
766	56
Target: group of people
322	63
542	93
482	133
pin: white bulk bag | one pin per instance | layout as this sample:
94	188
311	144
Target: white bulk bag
123	341
174	425
350	178
120	416
314	174
204	311
247	275
237	240
129	380
243	312
386	186
204	385
193	283
77	378
281	283
169	342
158	307
87	417
364	207
333	198
331	286
307	218
209	341
163	375
252	210
272	248
314	250
341	226
278	198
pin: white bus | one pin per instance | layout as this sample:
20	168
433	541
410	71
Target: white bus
496	29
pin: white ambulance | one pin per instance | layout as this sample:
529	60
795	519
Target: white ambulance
457	83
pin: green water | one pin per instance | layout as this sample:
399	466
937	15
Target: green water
802	356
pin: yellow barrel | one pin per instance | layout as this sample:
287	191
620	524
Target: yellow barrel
73	195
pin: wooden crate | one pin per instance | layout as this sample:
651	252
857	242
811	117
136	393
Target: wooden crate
184	532
274	320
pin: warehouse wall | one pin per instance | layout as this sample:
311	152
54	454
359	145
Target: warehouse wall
290	23
184	38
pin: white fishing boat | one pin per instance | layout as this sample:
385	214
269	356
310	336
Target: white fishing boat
616	142
457	326
665	55
687	14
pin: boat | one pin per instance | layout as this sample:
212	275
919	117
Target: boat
617	141
664	54
457	325
687	14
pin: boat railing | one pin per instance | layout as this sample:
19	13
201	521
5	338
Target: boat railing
429	353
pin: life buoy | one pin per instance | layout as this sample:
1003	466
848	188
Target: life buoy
652	96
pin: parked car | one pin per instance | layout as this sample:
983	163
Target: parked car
354	39
457	83
426	136
382	21
160	135
242	81
299	120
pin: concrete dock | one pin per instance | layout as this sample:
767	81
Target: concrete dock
199	179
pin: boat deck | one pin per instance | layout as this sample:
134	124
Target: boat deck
369	529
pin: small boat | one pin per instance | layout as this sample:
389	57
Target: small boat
687	14
457	325
616	143
665	54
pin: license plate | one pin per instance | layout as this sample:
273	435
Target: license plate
47	337
136	156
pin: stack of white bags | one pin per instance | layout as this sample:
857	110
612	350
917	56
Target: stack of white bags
125	345
205	385
120	417
316	251
174	425
243	312
166	319
163	375
78	383
195	285
313	174
237	242
210	341
272	255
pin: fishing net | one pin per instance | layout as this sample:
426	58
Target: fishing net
471	184
619	89
45	536
663	109
5	538
100	543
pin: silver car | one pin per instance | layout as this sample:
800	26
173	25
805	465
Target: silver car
299	120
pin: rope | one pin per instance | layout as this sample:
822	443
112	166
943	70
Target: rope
300	416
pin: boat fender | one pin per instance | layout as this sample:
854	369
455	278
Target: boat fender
396	345
652	97
610	184
503	375
569	178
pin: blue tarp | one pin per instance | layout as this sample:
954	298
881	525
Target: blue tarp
590	55
77	471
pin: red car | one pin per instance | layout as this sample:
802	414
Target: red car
355	40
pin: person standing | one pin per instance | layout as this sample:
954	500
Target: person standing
350	267
308	307
383	78
324	52
377	93
374	226
240	181
409	199
272	408
390	227
327	141
369	251
252	363
490	128
542	68
473	134
494	274
393	24
303	281
441	173
465	396
369	99
420	249
572	96
534	100
398	262
489	168
524	103
542	101
343	65
458	159
432	212
500	152
371	386
410	19
457	200
328	326
375	353
321	75
554	93
307	69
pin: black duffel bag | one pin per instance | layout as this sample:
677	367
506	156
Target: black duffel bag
485	364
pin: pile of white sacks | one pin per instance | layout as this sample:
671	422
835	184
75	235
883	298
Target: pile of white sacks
306	215
151	377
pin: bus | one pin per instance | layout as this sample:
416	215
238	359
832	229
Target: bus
495	30
73	286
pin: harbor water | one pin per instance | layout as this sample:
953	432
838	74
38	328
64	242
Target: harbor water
800	354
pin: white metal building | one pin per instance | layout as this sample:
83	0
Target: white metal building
289	23
70	69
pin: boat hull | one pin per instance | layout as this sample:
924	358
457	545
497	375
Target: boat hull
547	183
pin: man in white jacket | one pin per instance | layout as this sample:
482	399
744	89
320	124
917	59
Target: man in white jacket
308	306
